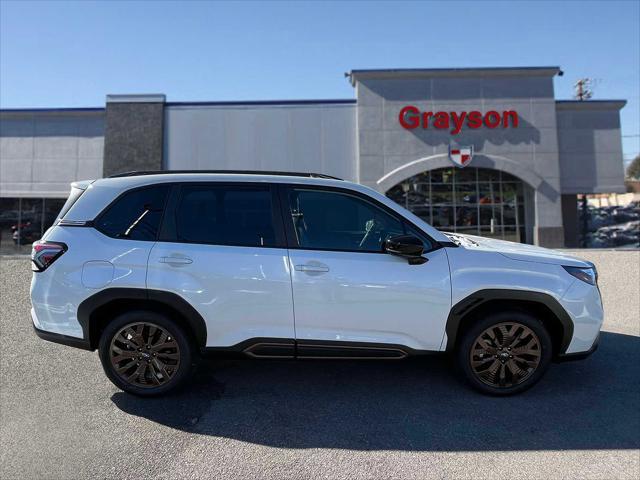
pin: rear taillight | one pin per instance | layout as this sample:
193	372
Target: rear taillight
44	254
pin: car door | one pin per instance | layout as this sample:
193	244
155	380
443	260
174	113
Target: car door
350	296
222	249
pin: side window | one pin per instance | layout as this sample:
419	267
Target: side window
136	215
225	215
339	221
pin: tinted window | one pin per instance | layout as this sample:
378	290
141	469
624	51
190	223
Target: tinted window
225	215
75	194
136	215
339	221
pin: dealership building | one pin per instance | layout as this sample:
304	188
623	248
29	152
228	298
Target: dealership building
486	151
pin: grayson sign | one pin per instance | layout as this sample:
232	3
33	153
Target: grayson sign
411	117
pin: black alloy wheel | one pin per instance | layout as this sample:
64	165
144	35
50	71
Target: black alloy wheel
146	353
505	353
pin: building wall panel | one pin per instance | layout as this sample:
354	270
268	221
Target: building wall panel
42	152
317	138
590	148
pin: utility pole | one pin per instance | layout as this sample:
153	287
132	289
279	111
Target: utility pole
582	89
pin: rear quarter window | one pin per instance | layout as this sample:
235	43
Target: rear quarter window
75	194
135	215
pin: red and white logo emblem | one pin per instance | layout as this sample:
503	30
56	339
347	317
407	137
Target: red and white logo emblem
461	156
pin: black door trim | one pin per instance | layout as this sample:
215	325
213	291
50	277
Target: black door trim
323	349
314	349
258	347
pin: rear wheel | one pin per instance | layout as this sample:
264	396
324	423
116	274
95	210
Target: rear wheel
145	353
505	353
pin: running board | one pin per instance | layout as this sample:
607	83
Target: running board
319	350
284	348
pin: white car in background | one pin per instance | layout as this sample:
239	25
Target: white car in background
156	269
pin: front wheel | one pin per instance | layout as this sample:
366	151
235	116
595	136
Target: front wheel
145	353
505	353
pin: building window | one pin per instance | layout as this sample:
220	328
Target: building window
24	220
475	201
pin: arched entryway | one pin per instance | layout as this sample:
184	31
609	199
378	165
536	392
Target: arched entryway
477	201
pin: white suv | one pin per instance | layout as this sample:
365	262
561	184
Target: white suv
156	269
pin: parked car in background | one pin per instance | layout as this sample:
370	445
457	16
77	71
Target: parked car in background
24	233
610	226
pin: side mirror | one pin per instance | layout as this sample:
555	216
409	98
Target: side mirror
406	246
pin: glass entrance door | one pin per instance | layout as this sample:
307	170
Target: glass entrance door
476	201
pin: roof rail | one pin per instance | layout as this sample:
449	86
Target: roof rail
230	172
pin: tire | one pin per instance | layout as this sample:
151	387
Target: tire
137	369
502	364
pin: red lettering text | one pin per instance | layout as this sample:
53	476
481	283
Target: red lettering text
409	117
425	119
489	122
458	120
509	114
474	120
442	120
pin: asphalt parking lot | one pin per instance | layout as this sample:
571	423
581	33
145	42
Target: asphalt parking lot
61	418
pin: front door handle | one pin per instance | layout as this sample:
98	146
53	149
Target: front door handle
176	260
312	268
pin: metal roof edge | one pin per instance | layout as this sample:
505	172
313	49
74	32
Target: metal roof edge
240	103
451	72
53	110
136	98
590	104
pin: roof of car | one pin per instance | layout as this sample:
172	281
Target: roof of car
136	173
133	179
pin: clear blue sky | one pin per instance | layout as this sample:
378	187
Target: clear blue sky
63	54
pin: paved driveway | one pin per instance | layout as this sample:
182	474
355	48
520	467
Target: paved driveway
61	418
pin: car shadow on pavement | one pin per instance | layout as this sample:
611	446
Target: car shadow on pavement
417	404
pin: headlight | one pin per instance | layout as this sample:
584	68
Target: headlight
587	274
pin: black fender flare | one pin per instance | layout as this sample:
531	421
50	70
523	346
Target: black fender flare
87	307
477	299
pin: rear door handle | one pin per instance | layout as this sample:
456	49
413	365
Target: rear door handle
317	268
176	260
